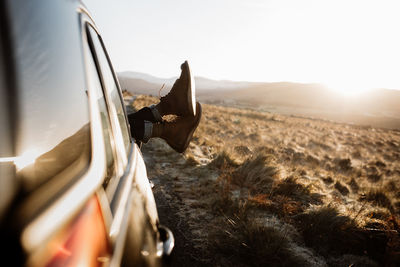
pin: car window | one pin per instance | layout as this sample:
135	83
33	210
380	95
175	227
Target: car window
109	145
53	140
111	88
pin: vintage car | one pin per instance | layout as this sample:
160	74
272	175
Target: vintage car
73	183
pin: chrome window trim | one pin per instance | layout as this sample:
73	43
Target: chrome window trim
117	84
121	195
59	212
105	208
121	206
114	184
116	129
119	167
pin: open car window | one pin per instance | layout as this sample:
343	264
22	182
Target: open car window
111	90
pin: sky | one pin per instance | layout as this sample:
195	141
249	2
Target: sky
348	45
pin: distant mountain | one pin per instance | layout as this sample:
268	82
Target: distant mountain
132	81
379	107
132	75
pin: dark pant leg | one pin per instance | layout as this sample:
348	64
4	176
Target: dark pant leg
144	114
137	128
136	121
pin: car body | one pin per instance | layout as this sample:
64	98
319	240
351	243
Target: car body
73	188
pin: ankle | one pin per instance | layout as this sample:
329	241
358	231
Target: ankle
158	129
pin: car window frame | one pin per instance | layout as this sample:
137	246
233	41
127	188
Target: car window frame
118	86
123	157
103	68
93	67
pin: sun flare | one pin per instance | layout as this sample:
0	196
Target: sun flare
348	89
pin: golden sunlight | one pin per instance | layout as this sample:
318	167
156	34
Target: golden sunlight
350	46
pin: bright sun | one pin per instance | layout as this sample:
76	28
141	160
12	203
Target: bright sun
348	88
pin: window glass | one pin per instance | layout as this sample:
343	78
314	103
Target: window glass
105	119
112	88
52	138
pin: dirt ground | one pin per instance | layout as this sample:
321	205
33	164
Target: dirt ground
171	202
257	189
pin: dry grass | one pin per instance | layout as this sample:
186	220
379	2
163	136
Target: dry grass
287	191
266	242
255	174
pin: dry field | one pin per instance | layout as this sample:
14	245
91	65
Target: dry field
261	189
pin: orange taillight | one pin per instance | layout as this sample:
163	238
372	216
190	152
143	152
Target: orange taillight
83	242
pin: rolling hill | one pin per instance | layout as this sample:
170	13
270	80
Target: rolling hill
378	108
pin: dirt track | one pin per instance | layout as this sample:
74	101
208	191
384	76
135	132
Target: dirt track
170	205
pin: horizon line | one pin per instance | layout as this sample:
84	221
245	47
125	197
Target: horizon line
255	82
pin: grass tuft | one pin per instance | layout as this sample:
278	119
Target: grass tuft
223	161
330	233
379	198
267	242
296	191
257	173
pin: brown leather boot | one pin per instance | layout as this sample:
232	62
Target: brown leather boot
178	133
181	100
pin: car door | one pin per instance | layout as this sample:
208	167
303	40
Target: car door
134	215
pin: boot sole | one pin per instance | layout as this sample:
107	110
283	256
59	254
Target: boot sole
191	91
190	135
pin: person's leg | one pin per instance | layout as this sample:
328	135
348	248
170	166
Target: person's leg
177	133
146	114
141	123
147	122
138	127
